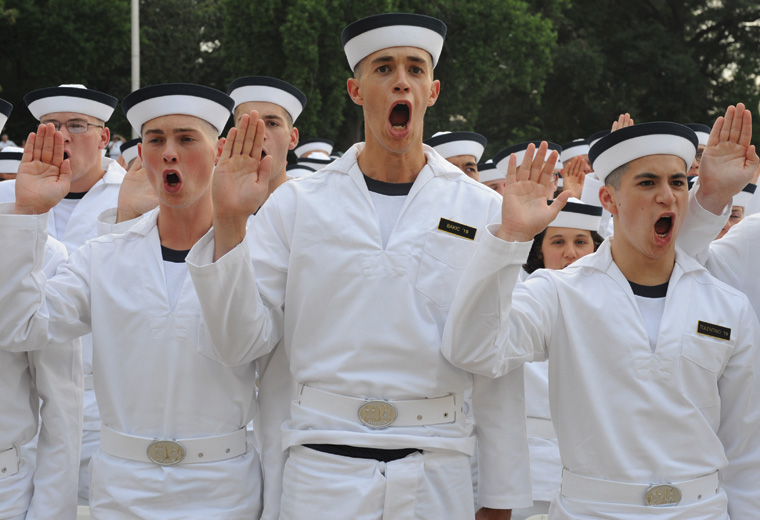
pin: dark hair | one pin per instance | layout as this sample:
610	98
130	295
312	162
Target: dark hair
536	259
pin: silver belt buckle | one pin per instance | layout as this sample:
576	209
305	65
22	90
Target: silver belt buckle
166	453
659	495
377	414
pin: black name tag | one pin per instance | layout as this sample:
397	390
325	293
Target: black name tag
716	331
455	228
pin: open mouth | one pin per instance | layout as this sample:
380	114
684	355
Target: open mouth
663	226
65	155
263	154
399	117
172	179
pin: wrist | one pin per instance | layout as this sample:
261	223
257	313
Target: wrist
512	236
715	203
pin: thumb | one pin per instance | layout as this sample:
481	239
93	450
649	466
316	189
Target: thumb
65	172
559	202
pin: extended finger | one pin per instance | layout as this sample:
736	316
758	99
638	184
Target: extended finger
227	148
511	169
714	138
523	172
29	148
728	120
39	142
251	135
48	144
547	171
538	162
242	126
258	141
57	149
736	124
745	135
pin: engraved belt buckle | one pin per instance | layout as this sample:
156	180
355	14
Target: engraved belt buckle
166	453
377	414
662	495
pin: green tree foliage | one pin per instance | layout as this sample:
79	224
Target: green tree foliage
51	42
493	46
676	60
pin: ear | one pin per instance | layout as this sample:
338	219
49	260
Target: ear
293	138
607	197
105	138
219	148
435	91
352	85
139	151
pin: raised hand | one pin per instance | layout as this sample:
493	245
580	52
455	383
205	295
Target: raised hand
241	182
44	176
241	177
623	121
729	161
574	176
136	195
525	212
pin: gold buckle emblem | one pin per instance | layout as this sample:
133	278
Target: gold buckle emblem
166	453
377	414
662	495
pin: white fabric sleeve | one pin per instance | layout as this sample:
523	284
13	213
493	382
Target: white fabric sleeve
57	374
476	335
35	311
277	389
739	387
498	407
241	328
700	227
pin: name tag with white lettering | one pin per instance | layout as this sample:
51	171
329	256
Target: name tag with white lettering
455	228
715	331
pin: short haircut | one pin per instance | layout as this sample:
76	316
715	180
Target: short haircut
616	175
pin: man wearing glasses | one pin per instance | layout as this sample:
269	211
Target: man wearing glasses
80	114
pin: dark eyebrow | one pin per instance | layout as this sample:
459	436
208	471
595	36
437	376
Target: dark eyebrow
154	131
470	163
382	59
184	130
273	116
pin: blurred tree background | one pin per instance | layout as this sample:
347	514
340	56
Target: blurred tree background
511	69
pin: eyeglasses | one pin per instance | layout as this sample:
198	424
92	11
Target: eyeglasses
74	126
698	157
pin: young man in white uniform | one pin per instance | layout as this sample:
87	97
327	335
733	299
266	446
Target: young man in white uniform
653	379
356	265
462	149
35	471
81	115
174	443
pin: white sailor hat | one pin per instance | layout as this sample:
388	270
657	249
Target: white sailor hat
129	150
593	138
5	112
70	98
198	101
640	140
313	144
316	161
10	158
702	131
298	170
743	197
488	172
381	31
451	144
590	193
501	159
574	149
268	90
578	215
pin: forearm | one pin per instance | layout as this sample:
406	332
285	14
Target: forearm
475	334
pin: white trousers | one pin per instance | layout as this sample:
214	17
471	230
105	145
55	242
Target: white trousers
420	486
123	489
564	508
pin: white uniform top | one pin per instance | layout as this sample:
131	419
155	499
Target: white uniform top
81	227
150	377
43	488
621	411
366	321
